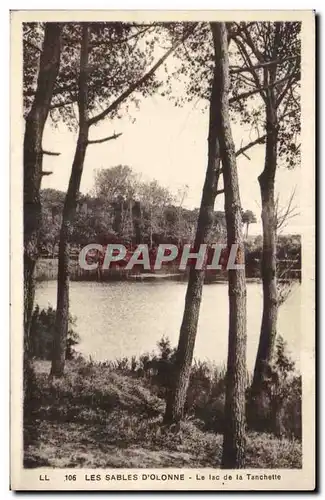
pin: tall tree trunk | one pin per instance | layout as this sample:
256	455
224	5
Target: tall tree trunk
117	222
270	305
177	397
33	161
234	433
267	180
69	211
136	218
150	230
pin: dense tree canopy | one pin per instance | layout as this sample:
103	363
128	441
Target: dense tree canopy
106	213
120	54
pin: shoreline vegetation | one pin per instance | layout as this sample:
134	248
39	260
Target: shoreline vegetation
110	414
100	416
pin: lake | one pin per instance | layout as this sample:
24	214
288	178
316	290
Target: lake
119	319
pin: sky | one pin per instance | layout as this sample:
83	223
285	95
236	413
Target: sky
169	144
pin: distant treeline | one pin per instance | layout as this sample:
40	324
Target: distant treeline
125	221
124	210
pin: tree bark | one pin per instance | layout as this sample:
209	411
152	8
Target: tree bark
177	397
69	211
33	161
268	271
235	422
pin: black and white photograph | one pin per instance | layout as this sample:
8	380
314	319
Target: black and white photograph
162	260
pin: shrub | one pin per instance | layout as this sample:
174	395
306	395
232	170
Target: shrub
277	408
205	395
285	393
96	417
42	334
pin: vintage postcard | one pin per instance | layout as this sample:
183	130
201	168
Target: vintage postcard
162	250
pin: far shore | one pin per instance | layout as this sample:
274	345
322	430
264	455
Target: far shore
47	270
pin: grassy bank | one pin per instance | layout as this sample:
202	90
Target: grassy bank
99	416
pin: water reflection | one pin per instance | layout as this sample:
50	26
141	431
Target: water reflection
124	319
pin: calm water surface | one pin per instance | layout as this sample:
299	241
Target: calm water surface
126	318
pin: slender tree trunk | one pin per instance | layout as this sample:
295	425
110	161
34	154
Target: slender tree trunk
150	233
136	218
270	305
33	160
117	223
177	397
267	180
234	433
122	228
69	211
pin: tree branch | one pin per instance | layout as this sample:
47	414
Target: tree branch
105	139
33	45
50	153
261	65
244	95
242	150
283	215
294	74
250	43
251	69
56	91
138	83
233	33
122	40
246	80
62	104
46	173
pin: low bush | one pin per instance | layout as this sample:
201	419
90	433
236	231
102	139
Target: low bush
96	417
42	334
279	406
